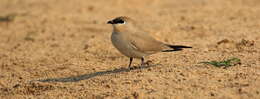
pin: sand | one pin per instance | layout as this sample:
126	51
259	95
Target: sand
61	49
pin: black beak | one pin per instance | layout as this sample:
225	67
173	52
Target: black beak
109	22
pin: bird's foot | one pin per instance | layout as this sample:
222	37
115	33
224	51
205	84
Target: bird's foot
133	67
147	63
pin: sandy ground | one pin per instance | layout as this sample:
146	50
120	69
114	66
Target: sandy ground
62	49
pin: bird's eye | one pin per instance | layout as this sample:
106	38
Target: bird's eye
119	21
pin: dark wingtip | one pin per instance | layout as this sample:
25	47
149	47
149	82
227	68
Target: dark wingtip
176	48
109	22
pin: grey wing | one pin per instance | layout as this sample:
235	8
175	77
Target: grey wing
145	43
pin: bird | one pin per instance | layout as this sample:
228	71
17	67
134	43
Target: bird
130	40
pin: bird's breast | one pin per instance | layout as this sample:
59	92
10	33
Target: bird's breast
122	44
119	41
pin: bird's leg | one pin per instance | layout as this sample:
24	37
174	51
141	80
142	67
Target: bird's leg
131	59
145	63
142	61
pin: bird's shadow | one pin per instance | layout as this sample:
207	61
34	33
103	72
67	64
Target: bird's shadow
95	74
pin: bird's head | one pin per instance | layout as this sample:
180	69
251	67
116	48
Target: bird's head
121	23
119	20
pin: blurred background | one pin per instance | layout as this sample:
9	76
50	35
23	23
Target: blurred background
43	39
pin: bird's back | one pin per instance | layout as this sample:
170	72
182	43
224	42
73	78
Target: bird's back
145	43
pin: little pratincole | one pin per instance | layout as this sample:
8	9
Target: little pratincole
132	42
